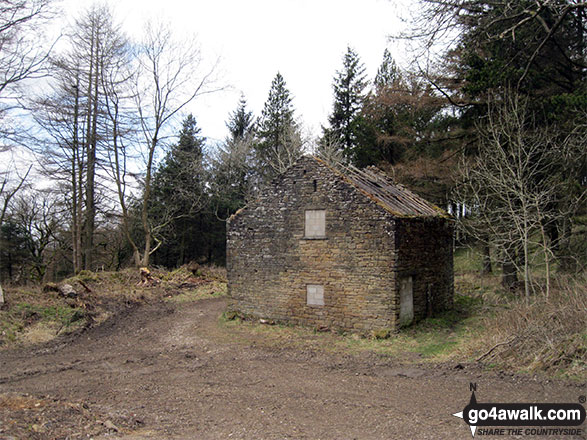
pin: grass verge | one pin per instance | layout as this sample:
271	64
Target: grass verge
489	326
37	313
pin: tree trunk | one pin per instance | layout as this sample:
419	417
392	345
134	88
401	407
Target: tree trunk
88	232
75	208
526	267
487	269
509	277
566	262
137	257
546	260
91	206
182	245
146	257
145	202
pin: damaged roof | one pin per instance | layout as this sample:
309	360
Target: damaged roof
394	198
380	188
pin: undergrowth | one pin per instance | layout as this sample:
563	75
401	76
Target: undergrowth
548	334
42	322
545	335
489	326
38	313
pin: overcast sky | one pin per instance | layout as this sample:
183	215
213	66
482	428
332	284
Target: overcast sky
254	39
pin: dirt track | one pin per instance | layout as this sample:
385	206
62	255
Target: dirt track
171	371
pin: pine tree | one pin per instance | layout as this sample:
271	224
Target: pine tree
279	141
233	163
381	114
241	121
387	72
178	195
190	140
231	176
181	171
349	94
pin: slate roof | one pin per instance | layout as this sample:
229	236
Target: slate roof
375	184
394	198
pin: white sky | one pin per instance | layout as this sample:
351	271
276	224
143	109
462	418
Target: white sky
254	39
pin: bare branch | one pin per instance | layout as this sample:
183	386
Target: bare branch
8	194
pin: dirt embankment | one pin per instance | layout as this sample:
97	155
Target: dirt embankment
173	370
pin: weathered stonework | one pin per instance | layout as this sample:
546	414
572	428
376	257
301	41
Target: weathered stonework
359	261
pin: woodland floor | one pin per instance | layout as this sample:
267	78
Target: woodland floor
175	370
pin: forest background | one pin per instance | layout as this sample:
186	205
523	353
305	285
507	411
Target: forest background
488	121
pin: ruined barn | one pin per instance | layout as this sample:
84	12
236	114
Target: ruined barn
339	248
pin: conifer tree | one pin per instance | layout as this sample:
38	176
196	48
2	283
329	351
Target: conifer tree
233	163
178	195
387	72
279	141
382	116
241	122
181	168
349	94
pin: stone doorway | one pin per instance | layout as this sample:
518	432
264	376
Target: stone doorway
406	301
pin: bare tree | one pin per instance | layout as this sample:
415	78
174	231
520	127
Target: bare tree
328	148
61	118
9	188
22	56
289	148
38	214
171	76
75	122
440	23
517	185
105	46
233	178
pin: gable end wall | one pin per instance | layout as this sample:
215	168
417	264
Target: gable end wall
270	263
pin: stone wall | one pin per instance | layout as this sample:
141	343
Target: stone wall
270	262
425	249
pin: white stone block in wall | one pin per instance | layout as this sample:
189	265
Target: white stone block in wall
315	223
315	294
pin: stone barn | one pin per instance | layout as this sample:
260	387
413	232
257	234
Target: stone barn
339	248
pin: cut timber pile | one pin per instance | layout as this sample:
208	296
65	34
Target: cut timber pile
147	279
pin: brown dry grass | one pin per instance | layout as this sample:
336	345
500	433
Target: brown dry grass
546	335
489	326
33	314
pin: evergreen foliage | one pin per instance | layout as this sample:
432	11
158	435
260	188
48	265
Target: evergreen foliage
400	119
178	196
13	248
530	52
536	49
279	141
387	73
349	86
241	121
233	164
415	124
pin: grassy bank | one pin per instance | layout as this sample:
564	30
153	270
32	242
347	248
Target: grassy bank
487	326
38	313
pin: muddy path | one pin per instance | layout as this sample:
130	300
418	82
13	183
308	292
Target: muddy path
169	370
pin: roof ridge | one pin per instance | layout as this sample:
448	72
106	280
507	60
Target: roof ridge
393	197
